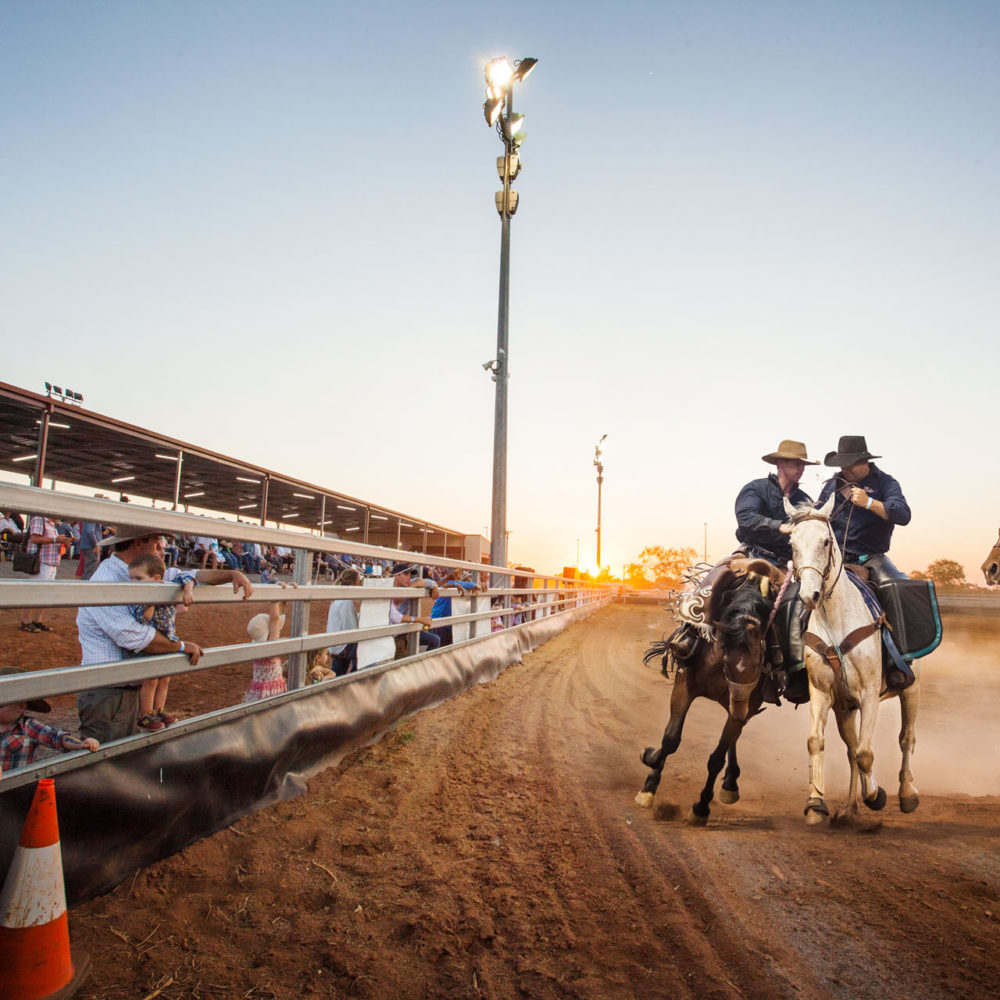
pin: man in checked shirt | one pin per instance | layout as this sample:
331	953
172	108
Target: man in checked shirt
112	633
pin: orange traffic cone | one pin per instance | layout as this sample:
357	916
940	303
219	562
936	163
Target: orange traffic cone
35	961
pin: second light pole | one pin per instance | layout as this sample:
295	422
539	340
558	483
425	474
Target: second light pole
499	112
599	463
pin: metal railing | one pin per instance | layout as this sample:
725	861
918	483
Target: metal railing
471	620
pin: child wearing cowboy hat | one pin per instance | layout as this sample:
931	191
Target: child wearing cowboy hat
21	736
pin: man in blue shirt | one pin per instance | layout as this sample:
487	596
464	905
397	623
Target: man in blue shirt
760	514
871	504
760	505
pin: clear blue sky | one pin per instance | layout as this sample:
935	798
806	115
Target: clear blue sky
269	228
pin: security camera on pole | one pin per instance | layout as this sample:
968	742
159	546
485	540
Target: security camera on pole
498	110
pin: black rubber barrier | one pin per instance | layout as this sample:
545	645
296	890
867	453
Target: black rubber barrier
121	814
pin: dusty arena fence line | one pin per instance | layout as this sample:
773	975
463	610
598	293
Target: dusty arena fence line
556	595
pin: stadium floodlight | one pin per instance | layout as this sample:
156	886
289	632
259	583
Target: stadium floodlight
499	113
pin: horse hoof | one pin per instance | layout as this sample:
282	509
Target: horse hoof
909	804
877	801
693	819
644	800
649	757
816	812
728	796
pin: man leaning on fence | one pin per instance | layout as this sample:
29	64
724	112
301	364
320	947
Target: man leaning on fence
108	634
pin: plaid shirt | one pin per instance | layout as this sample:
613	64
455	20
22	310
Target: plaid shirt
20	743
50	551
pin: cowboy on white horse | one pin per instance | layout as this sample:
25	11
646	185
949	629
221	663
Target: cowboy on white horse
871	505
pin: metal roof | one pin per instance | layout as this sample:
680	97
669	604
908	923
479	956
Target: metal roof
47	437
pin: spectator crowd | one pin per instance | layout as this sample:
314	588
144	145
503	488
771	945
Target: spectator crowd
123	554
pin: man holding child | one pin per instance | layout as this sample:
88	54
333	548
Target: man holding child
108	634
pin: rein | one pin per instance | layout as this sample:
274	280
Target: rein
781	593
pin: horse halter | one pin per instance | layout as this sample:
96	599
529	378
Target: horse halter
827	591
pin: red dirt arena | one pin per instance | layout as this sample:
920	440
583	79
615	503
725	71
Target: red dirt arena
491	848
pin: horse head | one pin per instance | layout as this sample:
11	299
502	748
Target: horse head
991	567
815	553
741	630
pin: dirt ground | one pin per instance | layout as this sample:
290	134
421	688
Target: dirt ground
491	848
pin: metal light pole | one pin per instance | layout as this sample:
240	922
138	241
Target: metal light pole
499	111
600	480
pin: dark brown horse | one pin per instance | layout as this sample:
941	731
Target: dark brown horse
728	668
991	567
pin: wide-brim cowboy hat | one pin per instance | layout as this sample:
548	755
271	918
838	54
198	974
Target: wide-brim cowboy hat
130	533
793	450
851	449
35	704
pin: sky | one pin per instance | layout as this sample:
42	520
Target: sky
269	229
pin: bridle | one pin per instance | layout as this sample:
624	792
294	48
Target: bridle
826	591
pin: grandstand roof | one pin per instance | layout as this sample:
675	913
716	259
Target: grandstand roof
90	450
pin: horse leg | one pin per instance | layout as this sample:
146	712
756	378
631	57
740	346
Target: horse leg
681	699
909	702
819	707
730	791
698	816
846	723
872	796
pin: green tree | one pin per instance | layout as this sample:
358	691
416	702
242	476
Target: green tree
945	573
663	567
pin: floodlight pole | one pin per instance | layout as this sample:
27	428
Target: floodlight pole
498	515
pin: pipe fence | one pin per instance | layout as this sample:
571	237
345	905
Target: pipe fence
473	619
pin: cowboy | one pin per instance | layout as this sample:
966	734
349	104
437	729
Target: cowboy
872	504
760	513
109	634
760	508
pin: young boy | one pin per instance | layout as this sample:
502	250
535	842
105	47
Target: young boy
21	736
153	693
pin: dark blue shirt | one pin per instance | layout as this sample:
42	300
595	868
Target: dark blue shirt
760	513
867	534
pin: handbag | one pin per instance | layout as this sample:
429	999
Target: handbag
25	561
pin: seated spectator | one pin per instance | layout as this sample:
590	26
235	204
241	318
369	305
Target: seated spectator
21	735
204	550
151	568
251	557
343	617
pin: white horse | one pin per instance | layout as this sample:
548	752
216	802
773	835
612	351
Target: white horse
844	663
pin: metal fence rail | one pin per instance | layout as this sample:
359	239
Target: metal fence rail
471	620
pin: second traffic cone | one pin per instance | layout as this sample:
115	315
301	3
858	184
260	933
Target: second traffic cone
34	930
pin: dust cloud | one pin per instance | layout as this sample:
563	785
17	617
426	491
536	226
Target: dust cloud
957	723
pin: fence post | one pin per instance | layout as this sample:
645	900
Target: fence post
302	575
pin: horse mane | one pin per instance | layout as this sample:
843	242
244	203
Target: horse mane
806	510
745	607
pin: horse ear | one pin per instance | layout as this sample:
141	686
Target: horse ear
789	509
828	506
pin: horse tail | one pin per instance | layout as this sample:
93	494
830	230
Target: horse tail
662	650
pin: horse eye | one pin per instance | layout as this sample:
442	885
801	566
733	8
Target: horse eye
826	542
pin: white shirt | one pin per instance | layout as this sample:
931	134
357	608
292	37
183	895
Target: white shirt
342	617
